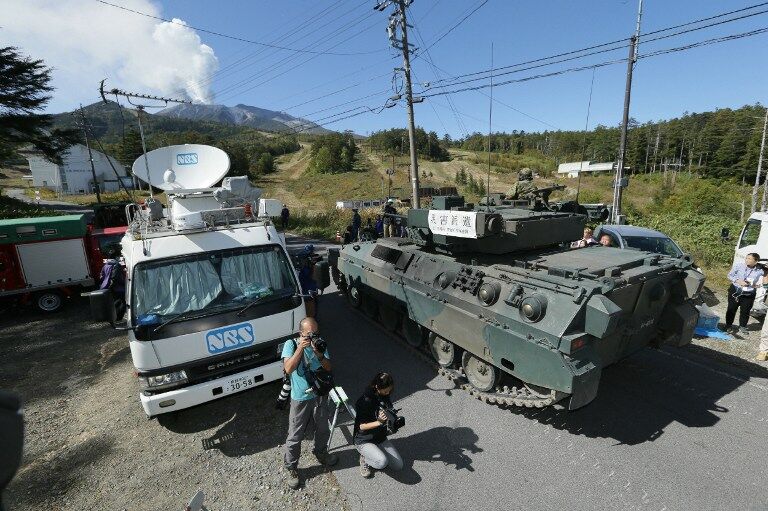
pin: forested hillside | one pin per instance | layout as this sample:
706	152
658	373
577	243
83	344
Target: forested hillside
251	152
720	144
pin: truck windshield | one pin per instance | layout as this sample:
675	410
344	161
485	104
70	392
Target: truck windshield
653	244
210	282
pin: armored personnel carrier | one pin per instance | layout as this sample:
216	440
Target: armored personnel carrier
506	307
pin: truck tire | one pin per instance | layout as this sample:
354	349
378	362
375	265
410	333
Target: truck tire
49	301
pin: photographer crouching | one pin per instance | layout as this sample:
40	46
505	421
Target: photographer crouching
307	363
376	418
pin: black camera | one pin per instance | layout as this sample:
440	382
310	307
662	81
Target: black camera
318	342
394	421
320	381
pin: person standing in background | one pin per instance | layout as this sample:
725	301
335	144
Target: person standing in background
389	222
357	221
744	277
284	216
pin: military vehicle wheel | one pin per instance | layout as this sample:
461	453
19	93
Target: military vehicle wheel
444	351
538	391
482	375
354	297
412	332
389	317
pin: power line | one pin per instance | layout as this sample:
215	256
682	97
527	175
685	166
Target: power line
232	67
455	26
235	38
608	63
229	90
615	45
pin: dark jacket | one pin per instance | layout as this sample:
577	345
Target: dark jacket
388	210
367	409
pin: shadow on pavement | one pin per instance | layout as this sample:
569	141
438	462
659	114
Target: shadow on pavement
642	395
443	444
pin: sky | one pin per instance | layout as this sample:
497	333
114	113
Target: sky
351	68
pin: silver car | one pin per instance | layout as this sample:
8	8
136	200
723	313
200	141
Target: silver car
639	238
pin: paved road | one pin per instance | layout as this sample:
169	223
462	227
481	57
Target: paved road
668	430
56	205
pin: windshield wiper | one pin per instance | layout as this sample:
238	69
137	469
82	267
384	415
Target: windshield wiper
271	296
173	319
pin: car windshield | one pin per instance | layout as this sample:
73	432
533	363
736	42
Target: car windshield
655	244
210	282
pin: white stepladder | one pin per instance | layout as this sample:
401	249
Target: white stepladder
338	399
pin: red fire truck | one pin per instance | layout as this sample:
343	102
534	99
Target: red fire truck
47	259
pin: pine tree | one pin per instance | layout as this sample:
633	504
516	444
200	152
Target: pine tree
471	185
24	86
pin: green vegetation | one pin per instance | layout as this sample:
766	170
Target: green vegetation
14	208
334	153
720	144
325	224
24	86
395	141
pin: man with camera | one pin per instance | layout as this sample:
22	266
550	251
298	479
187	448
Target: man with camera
307	363
376	418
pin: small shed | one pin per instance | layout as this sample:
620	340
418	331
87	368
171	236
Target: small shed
572	169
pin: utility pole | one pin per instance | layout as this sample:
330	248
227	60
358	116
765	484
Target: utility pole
90	154
619	182
398	19
760	169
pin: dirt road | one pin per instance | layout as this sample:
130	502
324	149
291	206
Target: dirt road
88	444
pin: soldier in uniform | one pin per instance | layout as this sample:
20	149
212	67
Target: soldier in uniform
524	187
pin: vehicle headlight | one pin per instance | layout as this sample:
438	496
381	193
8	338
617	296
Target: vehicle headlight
280	348
163	380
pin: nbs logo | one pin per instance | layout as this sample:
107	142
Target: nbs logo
186	159
229	338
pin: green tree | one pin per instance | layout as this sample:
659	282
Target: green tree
24	92
129	148
333	153
263	163
471	184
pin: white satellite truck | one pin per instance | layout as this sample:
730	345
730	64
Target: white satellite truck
753	238
211	293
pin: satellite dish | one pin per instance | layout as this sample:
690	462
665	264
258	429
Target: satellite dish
182	167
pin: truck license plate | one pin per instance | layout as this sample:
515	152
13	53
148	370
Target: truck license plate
239	384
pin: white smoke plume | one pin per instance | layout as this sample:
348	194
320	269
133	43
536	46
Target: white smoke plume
85	41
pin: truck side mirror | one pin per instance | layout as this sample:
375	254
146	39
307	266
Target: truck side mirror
725	234
321	274
102	305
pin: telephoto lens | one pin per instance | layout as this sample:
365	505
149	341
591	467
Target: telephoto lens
282	398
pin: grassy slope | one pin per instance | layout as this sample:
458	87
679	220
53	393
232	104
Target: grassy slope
697	231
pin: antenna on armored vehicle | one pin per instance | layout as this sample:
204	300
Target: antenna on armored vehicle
490	119
140	108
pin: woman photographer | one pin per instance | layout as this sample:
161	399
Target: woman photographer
370	433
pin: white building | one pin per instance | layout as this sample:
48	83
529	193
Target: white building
572	169
74	174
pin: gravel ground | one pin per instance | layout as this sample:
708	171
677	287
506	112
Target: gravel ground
88	444
741	350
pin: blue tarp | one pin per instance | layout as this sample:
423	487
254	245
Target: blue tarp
713	333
